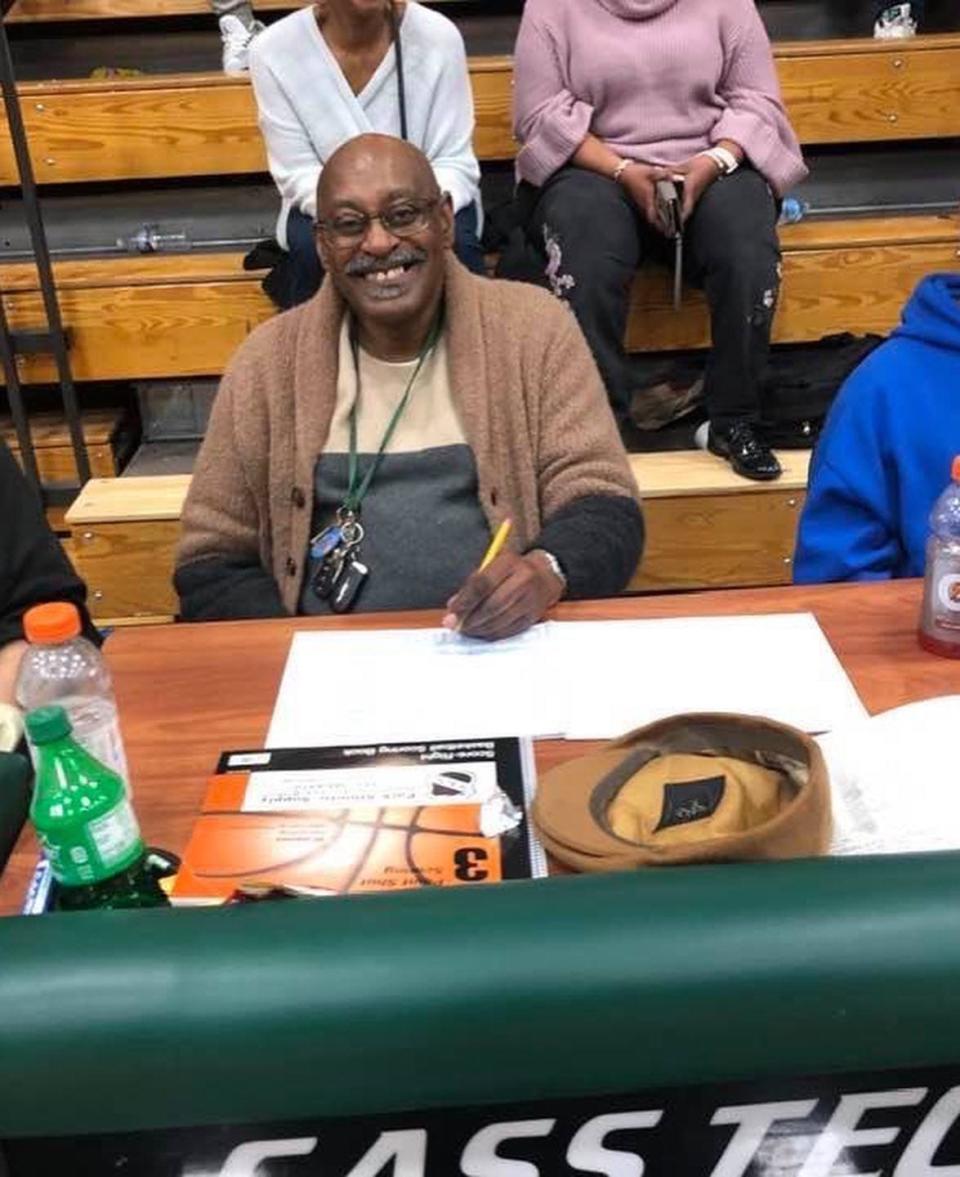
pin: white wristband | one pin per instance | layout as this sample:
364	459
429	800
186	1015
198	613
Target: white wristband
725	160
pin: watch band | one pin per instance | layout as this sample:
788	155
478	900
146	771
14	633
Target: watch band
725	160
554	563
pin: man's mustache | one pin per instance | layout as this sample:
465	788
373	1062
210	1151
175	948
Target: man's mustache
365	263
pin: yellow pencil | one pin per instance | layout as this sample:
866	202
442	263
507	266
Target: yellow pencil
496	544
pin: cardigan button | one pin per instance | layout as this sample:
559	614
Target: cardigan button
291	566
298	498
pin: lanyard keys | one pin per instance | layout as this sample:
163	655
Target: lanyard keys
328	573
353	574
333	548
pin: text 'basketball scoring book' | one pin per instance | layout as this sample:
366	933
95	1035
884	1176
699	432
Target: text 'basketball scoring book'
345	820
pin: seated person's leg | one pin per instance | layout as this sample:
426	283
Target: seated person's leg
589	233
466	243
305	272
733	248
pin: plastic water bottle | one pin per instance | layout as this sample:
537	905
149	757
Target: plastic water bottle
793	210
85	823
62	667
940	617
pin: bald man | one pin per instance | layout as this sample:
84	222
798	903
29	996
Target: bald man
364	447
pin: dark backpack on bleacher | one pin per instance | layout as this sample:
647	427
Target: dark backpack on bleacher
801	384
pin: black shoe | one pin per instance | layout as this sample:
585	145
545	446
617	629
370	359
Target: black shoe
746	453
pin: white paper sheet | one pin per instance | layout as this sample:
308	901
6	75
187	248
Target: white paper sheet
623	674
585	680
895	781
416	684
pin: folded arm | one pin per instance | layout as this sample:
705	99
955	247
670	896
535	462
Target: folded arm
220	573
291	155
549	121
449	135
754	117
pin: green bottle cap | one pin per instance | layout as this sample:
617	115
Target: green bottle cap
46	724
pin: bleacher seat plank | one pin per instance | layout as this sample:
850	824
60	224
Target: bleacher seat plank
205	124
139	318
717	541
123	534
692	473
157	498
492	81
872	91
851	275
709	528
29	11
138	128
52	443
705	528
184	315
127	569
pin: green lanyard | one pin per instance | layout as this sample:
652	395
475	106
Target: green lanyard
357	489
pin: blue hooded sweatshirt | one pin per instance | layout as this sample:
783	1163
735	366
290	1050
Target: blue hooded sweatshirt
886	450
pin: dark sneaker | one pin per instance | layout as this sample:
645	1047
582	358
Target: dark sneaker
746	453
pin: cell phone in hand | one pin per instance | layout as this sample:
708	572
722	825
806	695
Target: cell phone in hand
669	200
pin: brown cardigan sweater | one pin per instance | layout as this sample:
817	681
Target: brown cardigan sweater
533	409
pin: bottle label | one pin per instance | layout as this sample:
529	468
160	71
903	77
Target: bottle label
947	597
94	852
104	742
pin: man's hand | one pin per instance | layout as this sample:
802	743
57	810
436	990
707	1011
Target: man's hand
640	181
698	174
509	596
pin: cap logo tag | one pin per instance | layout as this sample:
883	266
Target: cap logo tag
687	801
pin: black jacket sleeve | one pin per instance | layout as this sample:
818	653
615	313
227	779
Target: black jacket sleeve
226	588
598	540
33	566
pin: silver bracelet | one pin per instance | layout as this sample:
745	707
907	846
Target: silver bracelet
619	170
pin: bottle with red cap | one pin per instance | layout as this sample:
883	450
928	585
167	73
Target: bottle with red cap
940	617
62	667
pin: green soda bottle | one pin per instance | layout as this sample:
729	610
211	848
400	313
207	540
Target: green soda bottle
85	822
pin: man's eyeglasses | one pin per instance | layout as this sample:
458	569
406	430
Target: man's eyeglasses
400	220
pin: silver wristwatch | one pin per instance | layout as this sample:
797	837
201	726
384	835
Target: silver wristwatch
555	568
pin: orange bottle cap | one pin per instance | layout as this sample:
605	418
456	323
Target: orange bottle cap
955	469
56	622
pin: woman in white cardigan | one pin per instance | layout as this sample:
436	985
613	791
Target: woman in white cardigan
332	71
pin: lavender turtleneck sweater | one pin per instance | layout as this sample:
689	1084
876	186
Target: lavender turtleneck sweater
655	80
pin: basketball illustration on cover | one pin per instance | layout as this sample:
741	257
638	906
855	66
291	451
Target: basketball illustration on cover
385	826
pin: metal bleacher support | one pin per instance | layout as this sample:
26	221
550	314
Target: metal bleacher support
52	339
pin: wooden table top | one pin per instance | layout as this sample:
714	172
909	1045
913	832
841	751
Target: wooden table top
187	693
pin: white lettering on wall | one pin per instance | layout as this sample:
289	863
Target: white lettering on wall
480	1156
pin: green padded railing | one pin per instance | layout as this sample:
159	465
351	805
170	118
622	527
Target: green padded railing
464	996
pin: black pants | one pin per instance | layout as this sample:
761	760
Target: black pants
304	272
594	239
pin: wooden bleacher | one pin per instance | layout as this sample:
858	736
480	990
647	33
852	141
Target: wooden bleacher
152	316
182	315
31	11
182	125
705	527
